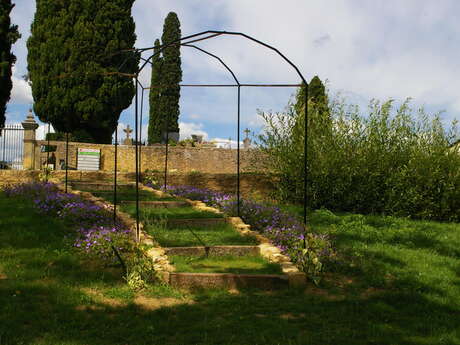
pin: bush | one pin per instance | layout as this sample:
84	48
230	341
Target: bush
393	160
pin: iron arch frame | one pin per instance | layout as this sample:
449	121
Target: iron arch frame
187	42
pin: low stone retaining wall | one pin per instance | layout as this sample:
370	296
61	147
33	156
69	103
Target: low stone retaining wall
250	184
17	176
213	250
156	204
228	281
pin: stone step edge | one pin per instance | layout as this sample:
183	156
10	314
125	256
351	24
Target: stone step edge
160	203
231	280
219	250
130	184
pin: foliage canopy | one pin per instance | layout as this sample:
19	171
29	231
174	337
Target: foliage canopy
392	160
155	120
171	73
73	65
8	35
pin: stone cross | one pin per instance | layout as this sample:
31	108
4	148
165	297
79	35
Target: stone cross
247	141
128	132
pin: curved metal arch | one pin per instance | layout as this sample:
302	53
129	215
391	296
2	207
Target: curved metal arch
147	61
214	33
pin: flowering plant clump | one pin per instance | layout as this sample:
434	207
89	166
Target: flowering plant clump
96	233
210	197
306	249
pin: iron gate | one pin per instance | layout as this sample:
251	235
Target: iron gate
11	147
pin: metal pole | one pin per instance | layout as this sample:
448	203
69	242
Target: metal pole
137	161
140	132
66	160
238	152
47	151
305	186
4	145
115	165
167	150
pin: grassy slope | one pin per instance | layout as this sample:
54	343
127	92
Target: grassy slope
249	264
130	195
223	234
172	212
398	284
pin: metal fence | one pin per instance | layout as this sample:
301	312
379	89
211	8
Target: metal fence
11	147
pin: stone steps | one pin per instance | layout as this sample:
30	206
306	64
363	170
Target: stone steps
156	204
291	277
213	250
194	222
98	186
228	281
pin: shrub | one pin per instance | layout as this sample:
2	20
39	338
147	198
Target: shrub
393	160
95	232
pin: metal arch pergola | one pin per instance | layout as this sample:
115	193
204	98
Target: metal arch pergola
187	42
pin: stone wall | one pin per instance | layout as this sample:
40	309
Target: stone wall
17	176
180	159
251	185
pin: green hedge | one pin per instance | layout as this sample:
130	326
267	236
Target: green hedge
391	160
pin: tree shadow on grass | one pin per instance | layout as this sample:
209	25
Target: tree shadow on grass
48	302
55	315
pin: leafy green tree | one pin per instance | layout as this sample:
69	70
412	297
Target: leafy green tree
171	72
8	35
156	121
78	76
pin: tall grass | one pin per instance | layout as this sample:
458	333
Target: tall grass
391	160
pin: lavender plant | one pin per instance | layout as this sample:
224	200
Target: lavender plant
94	229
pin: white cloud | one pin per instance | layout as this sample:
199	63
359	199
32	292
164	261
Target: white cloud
195	116
188	128
371	49
21	92
42	130
226	143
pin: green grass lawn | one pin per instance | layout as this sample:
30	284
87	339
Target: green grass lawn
221	234
249	264
397	282
147	213
131	196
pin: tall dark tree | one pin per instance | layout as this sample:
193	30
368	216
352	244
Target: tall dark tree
8	35
156	121
171	72
318	97
74	66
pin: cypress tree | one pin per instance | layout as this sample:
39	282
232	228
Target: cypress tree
73	65
8	35
317	95
171	73
156	122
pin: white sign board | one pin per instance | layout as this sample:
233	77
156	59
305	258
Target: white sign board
88	159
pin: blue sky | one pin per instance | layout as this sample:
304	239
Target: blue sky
365	49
